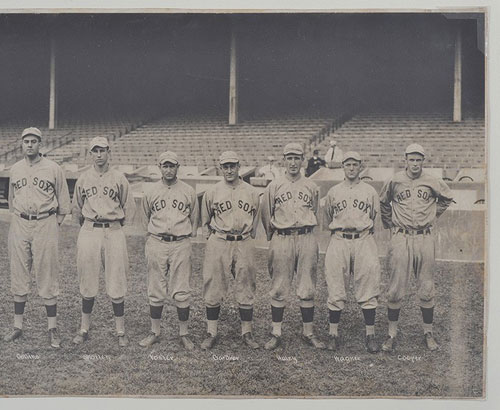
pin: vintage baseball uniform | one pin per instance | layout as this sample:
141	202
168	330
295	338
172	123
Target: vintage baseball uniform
38	192
409	207
105	202
350	211
170	216
231	214
289	211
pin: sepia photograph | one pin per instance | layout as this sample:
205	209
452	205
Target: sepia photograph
244	204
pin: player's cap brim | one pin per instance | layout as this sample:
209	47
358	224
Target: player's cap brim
32	131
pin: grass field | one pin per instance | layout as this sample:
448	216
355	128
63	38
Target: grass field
100	367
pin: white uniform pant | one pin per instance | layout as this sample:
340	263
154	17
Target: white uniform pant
102	249
411	254
357	258
289	255
224	258
169	270
33	246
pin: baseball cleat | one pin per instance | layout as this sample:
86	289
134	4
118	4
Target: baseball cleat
313	341
15	334
388	345
333	343
430	342
249	341
371	344
273	343
122	340
187	343
81	336
54	339
150	340
209	342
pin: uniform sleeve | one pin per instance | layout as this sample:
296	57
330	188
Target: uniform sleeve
385	204
195	213
62	193
127	201
375	207
316	201
78	200
11	194
444	197
206	207
327	212
145	211
267	209
256	217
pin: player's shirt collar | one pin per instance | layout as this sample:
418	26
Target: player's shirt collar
287	176
36	161
411	178
101	172
172	184
347	183
234	185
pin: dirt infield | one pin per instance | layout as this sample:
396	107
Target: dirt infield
100	367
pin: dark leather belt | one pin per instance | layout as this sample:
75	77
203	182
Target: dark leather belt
101	224
171	238
295	231
353	235
419	232
36	217
350	235
234	238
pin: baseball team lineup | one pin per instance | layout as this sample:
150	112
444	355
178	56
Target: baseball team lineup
290	211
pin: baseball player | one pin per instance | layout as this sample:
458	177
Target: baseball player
230	210
170	216
39	200
409	203
289	214
102	202
350	211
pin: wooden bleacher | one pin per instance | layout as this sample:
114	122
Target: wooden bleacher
199	141
382	138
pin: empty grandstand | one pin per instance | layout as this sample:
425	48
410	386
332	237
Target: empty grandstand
201	84
381	139
65	144
199	141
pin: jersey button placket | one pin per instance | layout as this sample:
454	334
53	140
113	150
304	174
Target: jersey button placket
412	189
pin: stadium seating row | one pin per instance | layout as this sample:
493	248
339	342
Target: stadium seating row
382	138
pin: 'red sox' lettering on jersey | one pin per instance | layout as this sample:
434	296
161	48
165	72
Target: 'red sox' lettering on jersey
103	197
38	188
231	210
289	204
351	207
170	210
415	202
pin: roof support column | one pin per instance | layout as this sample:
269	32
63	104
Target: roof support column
457	92
52	96
233	82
